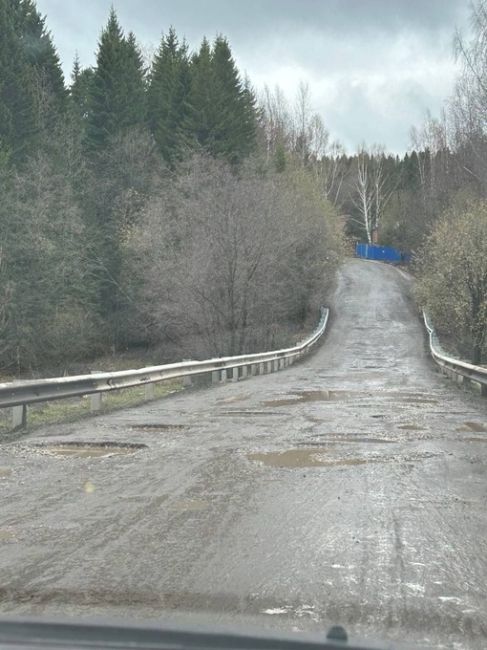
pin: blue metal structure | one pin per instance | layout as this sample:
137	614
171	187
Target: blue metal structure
381	253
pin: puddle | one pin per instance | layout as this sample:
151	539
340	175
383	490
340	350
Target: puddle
478	427
189	505
89	449
308	396
293	458
6	535
4	472
223	413
320	457
160	427
300	397
235	398
348	439
419	400
410	427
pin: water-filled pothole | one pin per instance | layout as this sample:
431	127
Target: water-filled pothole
89	449
326	457
161	426
244	413
346	439
189	505
419	400
234	398
308	396
293	458
478	427
410	427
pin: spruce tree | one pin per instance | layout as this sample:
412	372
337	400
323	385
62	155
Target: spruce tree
134	79
168	97
236	128
81	80
201	121
41	55
117	92
222	117
17	98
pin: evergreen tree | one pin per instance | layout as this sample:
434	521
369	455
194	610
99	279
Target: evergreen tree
223	118
117	92
81	80
168	97
17	100
134	80
201	122
235	104
42	57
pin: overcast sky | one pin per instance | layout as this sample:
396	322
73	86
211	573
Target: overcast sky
373	66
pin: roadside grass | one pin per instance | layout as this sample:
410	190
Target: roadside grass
73	409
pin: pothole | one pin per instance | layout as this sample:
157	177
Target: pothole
6	535
189	505
158	427
478	427
89	449
320	457
347	439
308	396
245	413
419	400
293	458
410	427
234	398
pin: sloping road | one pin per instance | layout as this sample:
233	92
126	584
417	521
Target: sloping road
349	488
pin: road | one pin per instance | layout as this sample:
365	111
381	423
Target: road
348	488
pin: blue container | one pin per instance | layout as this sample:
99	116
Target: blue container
380	253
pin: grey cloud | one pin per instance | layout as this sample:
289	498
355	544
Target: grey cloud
345	45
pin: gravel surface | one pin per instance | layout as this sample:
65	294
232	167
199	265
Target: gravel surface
350	488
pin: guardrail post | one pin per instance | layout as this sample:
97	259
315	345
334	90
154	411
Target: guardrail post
234	374
19	416
187	381
95	402
215	377
276	365
95	398
224	375
253	370
244	372
149	391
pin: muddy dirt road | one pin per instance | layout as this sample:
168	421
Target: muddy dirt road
350	488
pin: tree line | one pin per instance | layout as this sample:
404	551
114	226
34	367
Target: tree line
140	206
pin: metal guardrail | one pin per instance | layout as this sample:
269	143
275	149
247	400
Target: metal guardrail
19	394
454	367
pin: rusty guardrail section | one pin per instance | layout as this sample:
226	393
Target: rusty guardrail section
459	370
19	394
